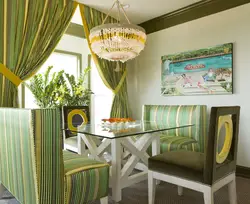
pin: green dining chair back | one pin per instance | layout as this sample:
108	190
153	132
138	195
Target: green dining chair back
222	144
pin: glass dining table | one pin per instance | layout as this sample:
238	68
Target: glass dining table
125	146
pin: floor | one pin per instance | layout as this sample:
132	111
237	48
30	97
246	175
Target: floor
167	194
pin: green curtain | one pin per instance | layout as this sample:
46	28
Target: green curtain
30	30
115	81
120	106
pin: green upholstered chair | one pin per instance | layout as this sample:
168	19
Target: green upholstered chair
35	169
192	138
201	172
74	116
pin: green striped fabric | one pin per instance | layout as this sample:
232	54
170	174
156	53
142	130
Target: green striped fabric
47	133
176	115
31	157
32	164
171	143
86	180
17	163
30	31
120	106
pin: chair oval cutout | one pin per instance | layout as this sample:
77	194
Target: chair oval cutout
225	122
78	113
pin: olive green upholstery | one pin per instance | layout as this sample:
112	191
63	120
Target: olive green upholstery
181	163
35	169
192	138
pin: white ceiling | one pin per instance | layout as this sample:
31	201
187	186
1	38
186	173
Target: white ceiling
140	10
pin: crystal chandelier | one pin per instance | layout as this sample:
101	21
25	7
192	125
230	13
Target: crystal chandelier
117	41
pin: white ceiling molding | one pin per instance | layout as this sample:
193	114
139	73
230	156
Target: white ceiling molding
140	10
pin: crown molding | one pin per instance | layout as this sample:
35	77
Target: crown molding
189	13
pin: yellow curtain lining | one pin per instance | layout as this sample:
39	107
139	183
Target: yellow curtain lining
86	30
10	75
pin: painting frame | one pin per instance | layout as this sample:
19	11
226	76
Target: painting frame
205	71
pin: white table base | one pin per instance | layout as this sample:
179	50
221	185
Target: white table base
126	153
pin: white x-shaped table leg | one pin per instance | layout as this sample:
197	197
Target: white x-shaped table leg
136	150
93	149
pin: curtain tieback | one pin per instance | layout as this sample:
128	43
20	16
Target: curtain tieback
10	75
117	89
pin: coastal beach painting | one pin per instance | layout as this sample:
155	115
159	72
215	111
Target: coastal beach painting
203	71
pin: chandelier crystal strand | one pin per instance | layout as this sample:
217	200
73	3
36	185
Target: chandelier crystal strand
117	41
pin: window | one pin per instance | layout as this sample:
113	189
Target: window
60	60
77	17
102	97
101	100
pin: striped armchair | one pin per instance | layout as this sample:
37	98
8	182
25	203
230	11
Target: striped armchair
192	138
35	169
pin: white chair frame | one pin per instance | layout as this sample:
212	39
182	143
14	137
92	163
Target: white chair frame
208	191
104	200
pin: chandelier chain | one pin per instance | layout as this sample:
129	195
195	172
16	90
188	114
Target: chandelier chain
119	12
108	13
125	14
119	7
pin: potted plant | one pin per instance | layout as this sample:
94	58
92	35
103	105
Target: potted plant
59	89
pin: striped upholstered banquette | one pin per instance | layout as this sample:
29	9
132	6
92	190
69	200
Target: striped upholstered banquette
35	169
192	138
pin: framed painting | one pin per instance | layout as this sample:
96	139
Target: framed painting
199	72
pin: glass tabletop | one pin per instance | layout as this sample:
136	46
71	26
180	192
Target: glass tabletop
118	130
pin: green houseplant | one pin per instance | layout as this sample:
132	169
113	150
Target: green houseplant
59	89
